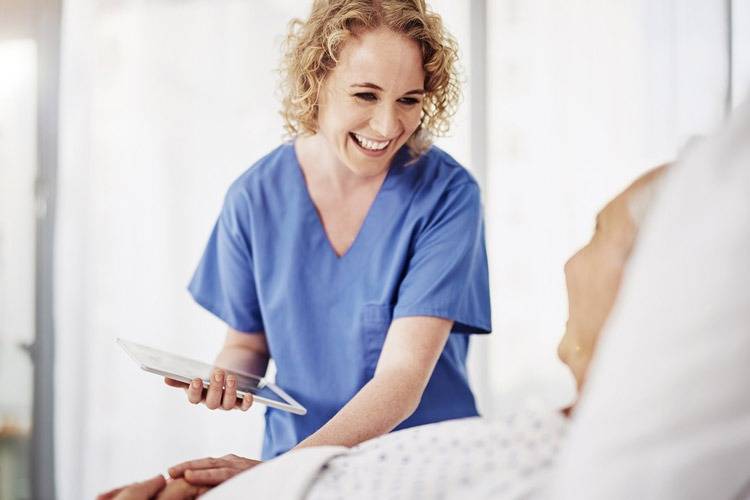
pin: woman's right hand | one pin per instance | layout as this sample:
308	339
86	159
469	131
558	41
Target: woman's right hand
221	391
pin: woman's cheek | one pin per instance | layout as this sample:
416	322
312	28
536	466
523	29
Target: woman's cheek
414	119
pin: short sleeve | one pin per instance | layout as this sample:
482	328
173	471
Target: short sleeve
447	273
224	282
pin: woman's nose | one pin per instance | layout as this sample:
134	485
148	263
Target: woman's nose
385	122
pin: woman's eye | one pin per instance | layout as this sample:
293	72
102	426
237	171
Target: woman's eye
365	96
409	101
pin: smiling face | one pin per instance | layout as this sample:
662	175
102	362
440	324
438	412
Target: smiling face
594	273
371	102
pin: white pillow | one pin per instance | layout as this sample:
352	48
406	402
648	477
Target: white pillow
666	410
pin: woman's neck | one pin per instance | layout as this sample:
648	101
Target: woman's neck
321	165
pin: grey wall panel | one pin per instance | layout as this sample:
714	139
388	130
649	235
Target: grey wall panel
740	38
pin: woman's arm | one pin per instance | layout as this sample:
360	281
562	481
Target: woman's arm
242	352
411	350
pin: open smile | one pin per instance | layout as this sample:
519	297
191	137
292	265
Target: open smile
370	146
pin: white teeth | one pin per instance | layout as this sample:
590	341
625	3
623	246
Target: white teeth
372	145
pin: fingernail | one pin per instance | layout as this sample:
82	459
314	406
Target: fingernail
218	376
196	383
230	381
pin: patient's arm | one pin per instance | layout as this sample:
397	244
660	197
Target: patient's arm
411	350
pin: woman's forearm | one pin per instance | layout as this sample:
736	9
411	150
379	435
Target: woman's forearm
242	359
411	349
381	405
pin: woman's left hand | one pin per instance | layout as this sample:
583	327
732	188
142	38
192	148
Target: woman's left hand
212	471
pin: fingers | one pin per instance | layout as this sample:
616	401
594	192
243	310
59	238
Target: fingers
215	389
229	400
110	494
221	392
247	402
149	487
175	383
195	391
144	489
210	477
201	463
181	490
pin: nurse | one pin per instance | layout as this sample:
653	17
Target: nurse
354	255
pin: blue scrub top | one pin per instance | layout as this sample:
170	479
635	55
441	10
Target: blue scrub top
269	267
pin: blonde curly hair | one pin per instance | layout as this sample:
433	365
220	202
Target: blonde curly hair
312	48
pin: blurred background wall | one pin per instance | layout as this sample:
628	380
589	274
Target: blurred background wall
21	142
162	103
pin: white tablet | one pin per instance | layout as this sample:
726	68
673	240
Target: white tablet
185	370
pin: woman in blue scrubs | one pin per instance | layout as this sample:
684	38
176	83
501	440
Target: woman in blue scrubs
354	256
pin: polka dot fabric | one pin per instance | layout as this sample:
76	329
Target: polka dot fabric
477	458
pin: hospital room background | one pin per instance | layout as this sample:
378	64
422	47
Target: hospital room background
123	122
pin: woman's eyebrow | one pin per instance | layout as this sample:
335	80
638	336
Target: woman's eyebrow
369	85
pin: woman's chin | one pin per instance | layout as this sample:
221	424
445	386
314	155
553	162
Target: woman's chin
366	165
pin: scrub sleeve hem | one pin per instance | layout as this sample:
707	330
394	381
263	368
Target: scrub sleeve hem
460	325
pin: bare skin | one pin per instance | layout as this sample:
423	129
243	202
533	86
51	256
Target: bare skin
242	352
594	273
411	350
374	92
156	488
211	471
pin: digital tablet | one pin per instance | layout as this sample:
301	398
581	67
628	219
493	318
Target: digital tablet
185	370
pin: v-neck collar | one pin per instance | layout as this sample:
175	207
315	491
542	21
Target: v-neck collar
371	211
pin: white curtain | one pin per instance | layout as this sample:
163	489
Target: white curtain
164	103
